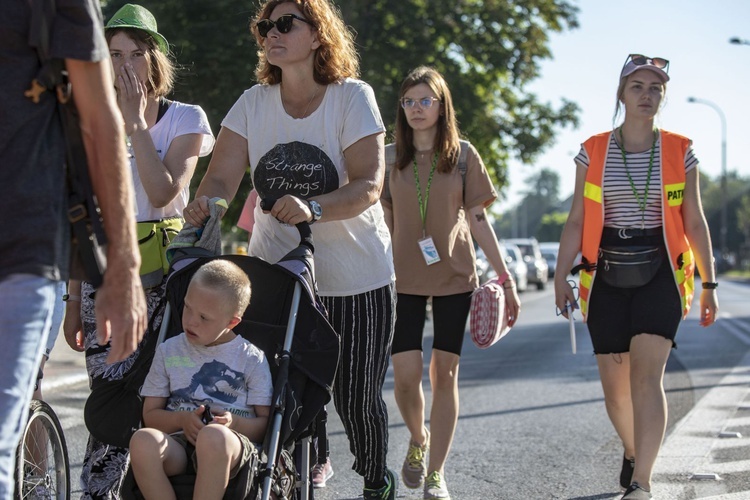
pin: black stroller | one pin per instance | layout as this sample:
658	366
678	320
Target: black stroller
287	322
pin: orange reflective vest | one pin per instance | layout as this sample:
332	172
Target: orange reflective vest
672	162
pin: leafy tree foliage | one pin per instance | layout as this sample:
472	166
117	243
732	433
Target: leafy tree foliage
487	50
713	197
540	199
551	226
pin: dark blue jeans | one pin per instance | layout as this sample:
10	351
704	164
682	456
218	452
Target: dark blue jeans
26	304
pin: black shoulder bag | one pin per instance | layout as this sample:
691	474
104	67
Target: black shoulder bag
88	241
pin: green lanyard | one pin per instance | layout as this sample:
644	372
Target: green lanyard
641	202
423	205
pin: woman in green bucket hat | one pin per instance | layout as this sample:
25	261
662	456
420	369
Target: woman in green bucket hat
165	139
137	17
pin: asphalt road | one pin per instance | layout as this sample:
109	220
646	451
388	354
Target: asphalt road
532	423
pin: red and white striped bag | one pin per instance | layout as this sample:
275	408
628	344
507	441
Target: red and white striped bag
488	322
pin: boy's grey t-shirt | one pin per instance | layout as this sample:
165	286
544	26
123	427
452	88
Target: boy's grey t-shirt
233	376
34	227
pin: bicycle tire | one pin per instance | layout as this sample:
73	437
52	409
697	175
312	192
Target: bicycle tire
42	466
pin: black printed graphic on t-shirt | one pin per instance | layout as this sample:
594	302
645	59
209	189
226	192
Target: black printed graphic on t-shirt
295	168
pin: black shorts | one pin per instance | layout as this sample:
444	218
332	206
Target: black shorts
616	315
449	314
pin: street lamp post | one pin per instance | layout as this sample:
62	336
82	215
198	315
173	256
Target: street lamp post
724	195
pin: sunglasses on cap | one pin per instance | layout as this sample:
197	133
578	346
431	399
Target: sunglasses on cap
641	60
424	103
283	24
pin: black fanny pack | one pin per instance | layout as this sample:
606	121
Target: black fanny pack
629	266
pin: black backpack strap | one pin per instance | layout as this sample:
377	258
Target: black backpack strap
463	156
390	160
164	104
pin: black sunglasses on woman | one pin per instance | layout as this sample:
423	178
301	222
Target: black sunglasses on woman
284	24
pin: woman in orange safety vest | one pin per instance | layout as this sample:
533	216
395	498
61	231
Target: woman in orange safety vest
638	222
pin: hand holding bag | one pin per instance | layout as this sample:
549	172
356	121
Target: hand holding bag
489	322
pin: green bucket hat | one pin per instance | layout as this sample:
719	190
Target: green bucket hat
135	16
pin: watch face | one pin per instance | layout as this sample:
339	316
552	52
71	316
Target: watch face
316	209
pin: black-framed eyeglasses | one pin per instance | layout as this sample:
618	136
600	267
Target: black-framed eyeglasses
424	103
284	24
641	60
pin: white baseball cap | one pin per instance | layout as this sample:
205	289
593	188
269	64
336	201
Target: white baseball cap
636	62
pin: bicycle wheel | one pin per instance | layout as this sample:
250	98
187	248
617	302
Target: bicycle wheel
42	470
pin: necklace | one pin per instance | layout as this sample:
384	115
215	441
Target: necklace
423	153
641	202
310	101
307	108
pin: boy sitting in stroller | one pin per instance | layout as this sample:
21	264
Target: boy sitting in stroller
207	365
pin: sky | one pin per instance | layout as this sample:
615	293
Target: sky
693	35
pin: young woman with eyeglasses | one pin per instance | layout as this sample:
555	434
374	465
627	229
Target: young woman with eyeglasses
636	206
433	209
313	136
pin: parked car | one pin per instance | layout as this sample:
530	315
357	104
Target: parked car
538	273
517	268
550	250
484	269
514	262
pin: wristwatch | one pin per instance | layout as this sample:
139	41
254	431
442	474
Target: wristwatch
316	209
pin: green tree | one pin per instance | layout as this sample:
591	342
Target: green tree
488	51
743	223
713	197
743	217
551	226
541	197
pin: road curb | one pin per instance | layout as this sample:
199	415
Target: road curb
688	450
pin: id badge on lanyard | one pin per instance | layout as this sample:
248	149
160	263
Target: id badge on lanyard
426	244
429	251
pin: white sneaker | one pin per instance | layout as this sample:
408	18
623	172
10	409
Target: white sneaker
435	487
322	473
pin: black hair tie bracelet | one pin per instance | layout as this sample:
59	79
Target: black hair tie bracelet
710	285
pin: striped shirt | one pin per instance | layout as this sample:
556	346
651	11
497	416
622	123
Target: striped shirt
621	208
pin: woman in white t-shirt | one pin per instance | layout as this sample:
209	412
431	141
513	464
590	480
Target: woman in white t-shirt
164	140
313	137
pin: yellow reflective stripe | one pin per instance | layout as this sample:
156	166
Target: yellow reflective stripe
586	279
685	284
679	276
689	287
675	193
592	192
584	305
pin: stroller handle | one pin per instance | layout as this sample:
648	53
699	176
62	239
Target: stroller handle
305	232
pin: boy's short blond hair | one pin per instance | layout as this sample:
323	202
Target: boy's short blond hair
226	277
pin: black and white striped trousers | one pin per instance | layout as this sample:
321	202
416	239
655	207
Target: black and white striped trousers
365	324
